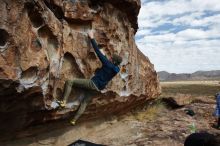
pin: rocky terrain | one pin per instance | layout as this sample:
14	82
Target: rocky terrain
44	43
199	76
163	123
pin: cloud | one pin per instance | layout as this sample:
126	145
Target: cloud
181	35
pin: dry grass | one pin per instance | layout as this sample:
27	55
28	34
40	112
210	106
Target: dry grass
190	88
212	83
186	92
151	112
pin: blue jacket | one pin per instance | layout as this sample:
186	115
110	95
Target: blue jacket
108	70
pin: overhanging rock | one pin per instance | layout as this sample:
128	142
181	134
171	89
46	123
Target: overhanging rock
43	43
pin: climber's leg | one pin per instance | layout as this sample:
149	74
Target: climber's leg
67	91
85	101
84	83
80	83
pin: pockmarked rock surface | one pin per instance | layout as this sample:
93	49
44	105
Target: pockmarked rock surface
44	43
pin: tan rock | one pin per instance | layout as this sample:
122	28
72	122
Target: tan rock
44	43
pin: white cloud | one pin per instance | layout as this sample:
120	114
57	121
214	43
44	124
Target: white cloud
153	14
190	34
193	20
191	43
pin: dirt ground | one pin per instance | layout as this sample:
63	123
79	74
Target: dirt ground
155	125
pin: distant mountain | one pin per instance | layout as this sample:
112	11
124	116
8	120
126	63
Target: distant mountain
199	75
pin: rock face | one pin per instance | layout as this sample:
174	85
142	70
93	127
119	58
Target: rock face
43	43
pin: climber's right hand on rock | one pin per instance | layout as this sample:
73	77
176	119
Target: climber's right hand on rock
91	34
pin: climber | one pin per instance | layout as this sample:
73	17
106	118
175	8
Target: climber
90	87
217	111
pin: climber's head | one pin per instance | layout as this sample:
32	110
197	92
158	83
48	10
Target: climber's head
116	59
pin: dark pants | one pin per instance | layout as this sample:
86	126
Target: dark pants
88	90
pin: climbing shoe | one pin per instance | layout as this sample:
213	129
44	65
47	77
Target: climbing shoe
61	103
73	122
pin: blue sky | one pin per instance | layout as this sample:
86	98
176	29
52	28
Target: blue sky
180	36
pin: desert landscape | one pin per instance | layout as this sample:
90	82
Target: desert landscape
154	73
158	122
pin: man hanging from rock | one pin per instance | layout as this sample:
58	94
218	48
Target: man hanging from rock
90	87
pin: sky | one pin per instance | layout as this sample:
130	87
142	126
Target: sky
180	36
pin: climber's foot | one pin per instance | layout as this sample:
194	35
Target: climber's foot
61	103
73	122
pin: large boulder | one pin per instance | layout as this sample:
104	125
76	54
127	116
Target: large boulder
43	43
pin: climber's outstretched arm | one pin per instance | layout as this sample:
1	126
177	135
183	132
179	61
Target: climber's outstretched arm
101	57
